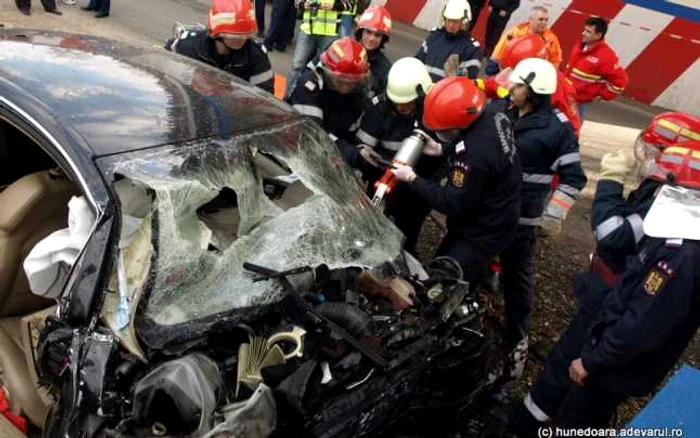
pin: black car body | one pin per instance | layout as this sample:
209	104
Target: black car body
229	175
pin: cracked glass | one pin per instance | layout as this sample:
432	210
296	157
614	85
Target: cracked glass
295	203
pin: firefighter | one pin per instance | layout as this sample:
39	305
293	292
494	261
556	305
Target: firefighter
532	46
373	32
547	147
594	68
647	319
617	225
229	43
482	196
333	93
451	38
388	120
319	28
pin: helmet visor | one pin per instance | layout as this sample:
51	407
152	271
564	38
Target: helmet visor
235	37
503	78
346	83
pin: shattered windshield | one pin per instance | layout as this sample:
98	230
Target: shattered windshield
280	198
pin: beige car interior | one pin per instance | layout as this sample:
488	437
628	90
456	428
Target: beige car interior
34	197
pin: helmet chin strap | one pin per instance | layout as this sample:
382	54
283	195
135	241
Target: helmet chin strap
420	92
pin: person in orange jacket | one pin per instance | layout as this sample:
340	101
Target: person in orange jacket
532	46
537	24
594	67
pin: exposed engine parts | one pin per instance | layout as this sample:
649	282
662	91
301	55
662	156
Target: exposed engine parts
351	353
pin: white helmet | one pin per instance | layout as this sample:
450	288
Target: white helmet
457	10
537	73
406	76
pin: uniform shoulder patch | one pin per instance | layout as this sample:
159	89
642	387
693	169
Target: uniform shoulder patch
654	281
458	174
561	116
310	85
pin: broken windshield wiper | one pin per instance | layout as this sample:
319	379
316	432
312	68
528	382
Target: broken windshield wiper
280	274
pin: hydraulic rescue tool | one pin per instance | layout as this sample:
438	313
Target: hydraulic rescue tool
408	154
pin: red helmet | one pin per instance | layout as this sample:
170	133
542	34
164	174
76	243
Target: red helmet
345	62
453	103
235	17
678	164
526	46
665	130
377	19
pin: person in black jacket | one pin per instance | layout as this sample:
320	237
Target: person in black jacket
229	44
647	320
499	14
482	197
451	39
617	224
333	93
389	119
373	32
547	147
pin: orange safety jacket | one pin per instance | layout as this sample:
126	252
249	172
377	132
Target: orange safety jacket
550	38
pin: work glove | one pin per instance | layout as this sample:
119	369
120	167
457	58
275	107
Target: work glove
370	155
452	66
555	212
430	147
550	226
404	173
616	166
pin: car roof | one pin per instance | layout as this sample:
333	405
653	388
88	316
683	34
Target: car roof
120	97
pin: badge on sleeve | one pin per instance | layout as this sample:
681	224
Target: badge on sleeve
458	174
654	281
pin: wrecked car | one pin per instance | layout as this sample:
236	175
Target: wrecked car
183	255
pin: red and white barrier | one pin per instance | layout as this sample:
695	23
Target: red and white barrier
660	52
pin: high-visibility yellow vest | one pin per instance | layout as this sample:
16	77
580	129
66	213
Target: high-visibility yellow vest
324	22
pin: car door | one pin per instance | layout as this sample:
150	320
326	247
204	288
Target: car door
83	289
